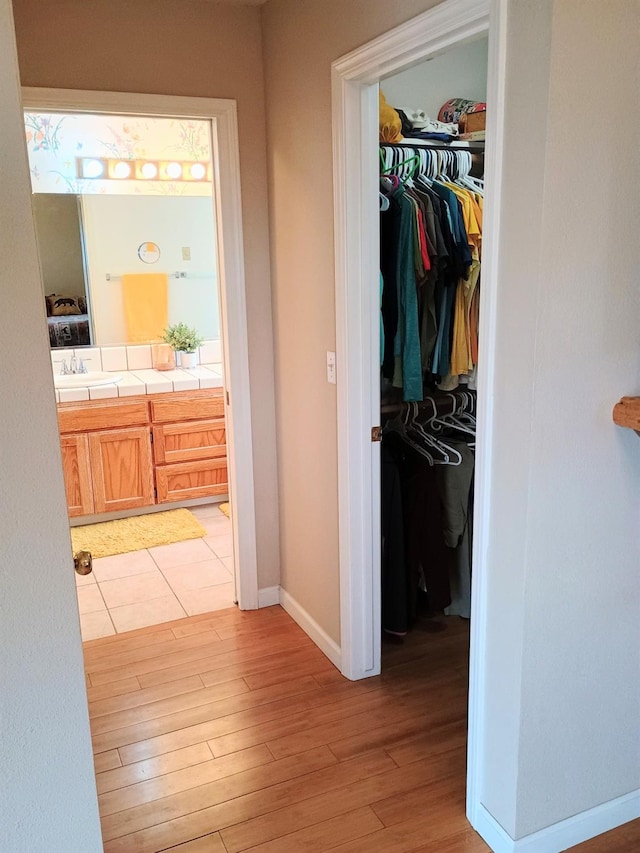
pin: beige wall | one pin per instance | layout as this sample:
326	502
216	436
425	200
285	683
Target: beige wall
48	795
301	40
191	48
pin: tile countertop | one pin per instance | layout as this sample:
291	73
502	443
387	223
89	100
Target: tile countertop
148	381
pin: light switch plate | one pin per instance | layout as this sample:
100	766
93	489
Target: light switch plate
331	367
186	253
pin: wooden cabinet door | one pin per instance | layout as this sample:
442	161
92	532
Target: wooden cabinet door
192	480
121	468
189	441
77	474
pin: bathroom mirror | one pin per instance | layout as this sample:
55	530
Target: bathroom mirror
124	219
59	234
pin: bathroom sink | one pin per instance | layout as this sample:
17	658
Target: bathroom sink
85	380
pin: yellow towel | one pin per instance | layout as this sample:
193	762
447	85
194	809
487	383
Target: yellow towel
145	298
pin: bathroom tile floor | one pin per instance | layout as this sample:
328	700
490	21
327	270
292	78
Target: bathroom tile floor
160	584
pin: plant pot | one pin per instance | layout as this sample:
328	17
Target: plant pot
188	359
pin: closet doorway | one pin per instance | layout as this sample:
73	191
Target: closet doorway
221	117
356	81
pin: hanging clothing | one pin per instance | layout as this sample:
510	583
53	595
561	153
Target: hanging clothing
395	576
430	264
402	330
460	574
426	512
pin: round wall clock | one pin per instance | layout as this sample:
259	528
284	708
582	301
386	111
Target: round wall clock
148	252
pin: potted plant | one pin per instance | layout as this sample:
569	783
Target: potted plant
184	340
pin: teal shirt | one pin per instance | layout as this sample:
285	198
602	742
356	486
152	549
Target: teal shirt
407	340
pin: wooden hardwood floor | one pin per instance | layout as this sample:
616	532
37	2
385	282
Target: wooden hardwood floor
231	731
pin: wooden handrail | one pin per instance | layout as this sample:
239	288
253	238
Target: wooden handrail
626	413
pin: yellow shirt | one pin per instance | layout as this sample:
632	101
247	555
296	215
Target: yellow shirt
471	225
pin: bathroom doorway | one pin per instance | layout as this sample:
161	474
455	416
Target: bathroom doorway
149	187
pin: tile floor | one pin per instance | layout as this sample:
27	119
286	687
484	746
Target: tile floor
157	585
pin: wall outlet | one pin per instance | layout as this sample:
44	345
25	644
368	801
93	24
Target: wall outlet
331	367
186	253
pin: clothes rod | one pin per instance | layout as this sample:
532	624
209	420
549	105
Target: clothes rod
440	146
439	403
110	277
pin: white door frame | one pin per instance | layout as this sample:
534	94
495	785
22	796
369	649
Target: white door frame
228	217
356	167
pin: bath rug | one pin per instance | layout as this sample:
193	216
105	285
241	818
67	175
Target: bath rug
133	534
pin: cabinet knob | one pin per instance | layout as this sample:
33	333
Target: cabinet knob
83	562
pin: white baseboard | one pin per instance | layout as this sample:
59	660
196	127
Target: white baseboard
488	827
560	836
309	625
268	596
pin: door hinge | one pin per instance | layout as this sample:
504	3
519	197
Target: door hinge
376	433
227	395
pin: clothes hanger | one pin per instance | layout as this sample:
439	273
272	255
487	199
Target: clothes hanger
464	177
450	455
424	443
424	172
410	163
400	425
384	202
456	419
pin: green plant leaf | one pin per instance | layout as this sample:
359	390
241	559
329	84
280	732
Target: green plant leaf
182	338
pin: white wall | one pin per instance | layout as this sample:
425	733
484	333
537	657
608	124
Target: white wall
563	657
115	226
459	73
47	789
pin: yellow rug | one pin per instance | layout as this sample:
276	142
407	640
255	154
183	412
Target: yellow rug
226	509
133	534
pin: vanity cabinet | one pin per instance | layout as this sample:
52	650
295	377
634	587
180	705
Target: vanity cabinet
123	454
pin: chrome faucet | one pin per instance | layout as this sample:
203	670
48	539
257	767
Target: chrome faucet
75	365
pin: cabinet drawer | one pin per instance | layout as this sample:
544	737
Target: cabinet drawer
185	409
107	415
192	480
189	441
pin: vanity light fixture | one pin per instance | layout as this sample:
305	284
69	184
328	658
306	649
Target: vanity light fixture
99	168
146	170
91	168
119	169
173	170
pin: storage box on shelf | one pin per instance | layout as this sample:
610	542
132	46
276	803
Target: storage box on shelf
121	455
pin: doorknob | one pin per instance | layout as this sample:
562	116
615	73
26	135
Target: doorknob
83	562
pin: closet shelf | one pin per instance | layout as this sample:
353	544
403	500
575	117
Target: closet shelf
626	413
